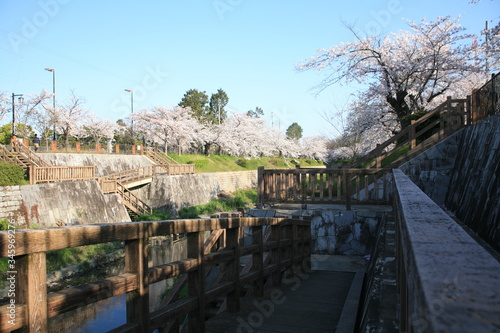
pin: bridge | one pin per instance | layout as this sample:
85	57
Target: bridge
439	288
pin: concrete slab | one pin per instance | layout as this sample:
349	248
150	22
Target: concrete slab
336	263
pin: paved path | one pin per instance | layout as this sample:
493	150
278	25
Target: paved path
310	302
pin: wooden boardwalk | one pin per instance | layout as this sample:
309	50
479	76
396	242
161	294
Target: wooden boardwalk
308	302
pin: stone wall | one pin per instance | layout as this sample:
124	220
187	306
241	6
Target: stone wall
340	232
63	203
432	170
474	191
171	193
105	163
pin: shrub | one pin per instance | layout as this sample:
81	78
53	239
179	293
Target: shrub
242	162
11	174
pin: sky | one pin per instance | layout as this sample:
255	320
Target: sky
162	48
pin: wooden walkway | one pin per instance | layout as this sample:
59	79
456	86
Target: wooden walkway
308	302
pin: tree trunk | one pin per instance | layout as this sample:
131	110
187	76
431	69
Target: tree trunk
207	149
399	105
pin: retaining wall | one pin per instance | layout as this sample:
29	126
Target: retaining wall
105	164
63	203
171	193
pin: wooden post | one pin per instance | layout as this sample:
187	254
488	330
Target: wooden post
136	262
347	188
98	147
53	145
196	282
133	149
117	148
233	272
260	184
26	142
413	140
258	261
276	254
77	146
31	290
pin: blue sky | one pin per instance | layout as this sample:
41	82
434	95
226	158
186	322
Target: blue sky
162	48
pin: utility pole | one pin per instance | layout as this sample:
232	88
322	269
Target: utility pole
486	33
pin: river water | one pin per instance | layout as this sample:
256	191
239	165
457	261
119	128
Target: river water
108	314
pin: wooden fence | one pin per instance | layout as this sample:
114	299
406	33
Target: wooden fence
286	247
56	173
323	186
430	129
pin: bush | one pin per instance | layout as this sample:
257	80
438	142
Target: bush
242	162
155	216
4	224
11	174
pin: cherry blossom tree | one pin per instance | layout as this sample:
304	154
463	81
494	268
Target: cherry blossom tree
98	127
314	147
70	116
408	69
167	126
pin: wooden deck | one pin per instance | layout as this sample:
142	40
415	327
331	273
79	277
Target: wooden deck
309	302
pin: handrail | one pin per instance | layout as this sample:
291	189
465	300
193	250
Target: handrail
60	173
145	172
288	249
132	201
454	114
446	281
30	154
323	186
6	155
158	156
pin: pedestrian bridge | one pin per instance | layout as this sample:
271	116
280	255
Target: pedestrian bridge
443	280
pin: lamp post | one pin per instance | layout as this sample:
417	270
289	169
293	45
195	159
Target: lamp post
53	98
131	112
21	100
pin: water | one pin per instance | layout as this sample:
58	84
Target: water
108	314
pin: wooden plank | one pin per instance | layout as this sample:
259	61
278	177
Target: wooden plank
32	290
233	269
73	298
136	262
196	282
12	317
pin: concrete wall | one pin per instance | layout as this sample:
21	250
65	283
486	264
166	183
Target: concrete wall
474	191
171	193
432	170
68	203
105	164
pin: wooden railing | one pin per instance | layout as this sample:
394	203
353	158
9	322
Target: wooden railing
158	156
287	247
8	156
62	173
30	155
131	201
132	175
323	186
437	125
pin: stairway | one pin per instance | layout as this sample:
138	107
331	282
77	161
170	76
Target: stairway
159	157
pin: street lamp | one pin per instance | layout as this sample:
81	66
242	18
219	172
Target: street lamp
53	98
21	101
131	112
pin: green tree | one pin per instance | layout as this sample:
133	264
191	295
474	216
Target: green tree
218	101
6	132
294	132
255	113
197	101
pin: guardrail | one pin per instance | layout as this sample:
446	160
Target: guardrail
56	173
323	186
430	129
447	282
137	174
287	248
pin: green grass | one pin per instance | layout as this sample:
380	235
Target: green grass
225	203
224	163
394	156
155	216
78	255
